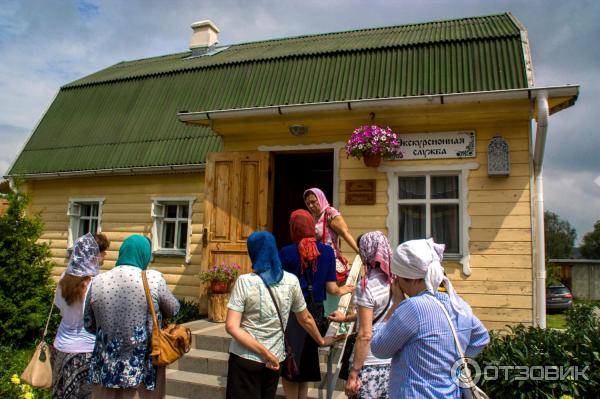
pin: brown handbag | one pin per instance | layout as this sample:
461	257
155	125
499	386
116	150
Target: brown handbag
170	343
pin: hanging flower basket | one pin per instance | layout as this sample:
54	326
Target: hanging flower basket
372	160
373	143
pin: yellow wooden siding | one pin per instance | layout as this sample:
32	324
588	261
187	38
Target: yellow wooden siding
125	211
500	286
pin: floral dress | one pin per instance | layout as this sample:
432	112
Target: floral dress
117	311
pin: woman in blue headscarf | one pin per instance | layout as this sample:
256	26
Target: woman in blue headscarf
116	310
255	321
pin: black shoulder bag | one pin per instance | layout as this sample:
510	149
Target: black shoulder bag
316	309
351	341
289	368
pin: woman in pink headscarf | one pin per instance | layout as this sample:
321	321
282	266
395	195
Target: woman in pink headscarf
330	227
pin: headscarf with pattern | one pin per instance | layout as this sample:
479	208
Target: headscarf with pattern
84	260
374	248
265	257
302	231
420	259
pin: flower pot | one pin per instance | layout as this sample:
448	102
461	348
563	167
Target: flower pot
372	160
219	287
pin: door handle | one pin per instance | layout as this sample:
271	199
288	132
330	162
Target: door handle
205	237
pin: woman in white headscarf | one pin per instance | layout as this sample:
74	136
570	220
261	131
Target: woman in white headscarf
416	334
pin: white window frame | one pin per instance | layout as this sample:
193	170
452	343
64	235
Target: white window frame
157	211
74	214
460	170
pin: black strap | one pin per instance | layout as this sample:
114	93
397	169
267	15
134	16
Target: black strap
384	309
309	281
278	313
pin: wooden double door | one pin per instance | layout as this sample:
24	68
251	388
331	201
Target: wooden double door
240	190
237	203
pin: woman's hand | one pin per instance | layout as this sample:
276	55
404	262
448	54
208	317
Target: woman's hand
352	385
346	289
397	293
330	340
337	316
271	362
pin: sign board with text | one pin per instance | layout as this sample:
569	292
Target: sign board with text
439	145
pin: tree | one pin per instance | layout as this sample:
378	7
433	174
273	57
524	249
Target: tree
25	284
590	249
559	236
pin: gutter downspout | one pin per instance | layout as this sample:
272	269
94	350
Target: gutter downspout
540	253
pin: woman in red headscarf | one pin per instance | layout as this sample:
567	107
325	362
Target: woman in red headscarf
314	264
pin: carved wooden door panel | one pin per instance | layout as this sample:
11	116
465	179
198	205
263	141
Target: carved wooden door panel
236	204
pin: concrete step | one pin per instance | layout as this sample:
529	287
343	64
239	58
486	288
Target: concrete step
202	372
216	363
210	336
202	386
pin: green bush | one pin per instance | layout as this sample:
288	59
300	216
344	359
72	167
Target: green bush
25	285
578	345
189	311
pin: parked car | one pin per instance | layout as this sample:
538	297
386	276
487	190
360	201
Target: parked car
558	298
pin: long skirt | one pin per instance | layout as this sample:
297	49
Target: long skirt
306	350
100	392
70	375
374	382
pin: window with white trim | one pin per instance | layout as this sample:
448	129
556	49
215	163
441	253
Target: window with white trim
429	205
172	225
85	216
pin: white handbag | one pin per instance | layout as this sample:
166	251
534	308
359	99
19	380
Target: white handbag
471	390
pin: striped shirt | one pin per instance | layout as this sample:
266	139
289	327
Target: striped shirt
375	296
259	315
419	340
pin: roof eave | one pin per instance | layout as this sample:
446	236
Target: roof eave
570	92
113	171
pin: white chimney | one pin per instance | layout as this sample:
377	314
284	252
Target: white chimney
205	35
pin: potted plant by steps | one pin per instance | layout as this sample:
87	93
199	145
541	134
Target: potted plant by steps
373	143
219	279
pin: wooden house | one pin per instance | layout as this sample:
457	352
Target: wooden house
198	149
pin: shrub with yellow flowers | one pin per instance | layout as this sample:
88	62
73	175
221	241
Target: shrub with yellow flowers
13	363
21	390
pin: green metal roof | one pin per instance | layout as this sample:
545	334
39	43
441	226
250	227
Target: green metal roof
124	115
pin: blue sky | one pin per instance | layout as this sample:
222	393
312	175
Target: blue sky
45	44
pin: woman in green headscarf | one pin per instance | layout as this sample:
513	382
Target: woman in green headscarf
116	311
135	251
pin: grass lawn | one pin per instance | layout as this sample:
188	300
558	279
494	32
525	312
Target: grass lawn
559	320
556	320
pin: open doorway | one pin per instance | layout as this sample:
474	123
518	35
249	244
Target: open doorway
294	173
